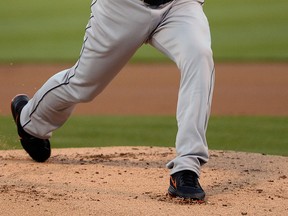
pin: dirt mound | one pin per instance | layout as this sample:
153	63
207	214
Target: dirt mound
134	181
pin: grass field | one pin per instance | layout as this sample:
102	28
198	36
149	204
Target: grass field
51	31
266	135
45	31
249	30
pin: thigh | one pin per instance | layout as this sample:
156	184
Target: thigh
115	31
184	32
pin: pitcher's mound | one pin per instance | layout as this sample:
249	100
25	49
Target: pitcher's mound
134	181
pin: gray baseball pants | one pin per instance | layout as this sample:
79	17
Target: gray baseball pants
116	29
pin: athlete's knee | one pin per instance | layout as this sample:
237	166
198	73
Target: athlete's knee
86	98
197	65
206	52
87	95
195	54
201	52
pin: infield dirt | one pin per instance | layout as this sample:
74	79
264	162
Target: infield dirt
133	180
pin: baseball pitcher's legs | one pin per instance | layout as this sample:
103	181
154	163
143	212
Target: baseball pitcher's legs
188	44
116	29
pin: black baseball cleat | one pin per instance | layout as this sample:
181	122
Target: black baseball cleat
38	149
184	184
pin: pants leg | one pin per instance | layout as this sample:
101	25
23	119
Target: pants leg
184	36
112	36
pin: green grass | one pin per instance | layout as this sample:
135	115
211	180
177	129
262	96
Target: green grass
42	30
268	135
249	30
45	31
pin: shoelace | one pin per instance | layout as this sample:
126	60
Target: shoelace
188	179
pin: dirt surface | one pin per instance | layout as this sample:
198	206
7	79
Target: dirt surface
240	89
133	180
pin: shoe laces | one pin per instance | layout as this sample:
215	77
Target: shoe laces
188	178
